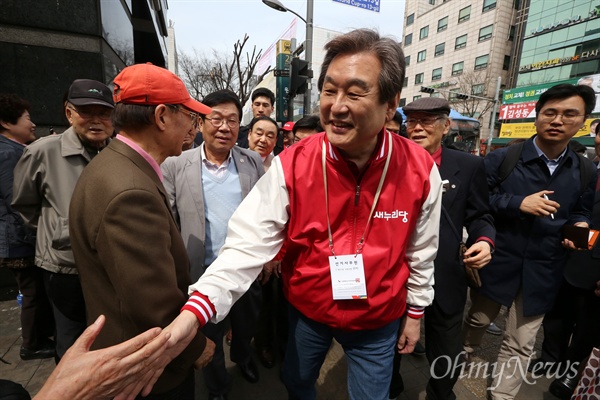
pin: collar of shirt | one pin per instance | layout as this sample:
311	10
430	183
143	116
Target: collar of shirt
437	157
379	152
214	168
543	156
142	153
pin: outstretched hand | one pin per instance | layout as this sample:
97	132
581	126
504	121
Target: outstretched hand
180	333
105	373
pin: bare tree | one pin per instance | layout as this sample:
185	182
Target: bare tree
471	83
203	75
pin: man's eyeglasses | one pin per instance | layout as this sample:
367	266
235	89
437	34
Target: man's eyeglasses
217	122
194	116
424	122
87	114
567	118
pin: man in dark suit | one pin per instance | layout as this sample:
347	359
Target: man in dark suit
131	258
548	187
464	203
205	186
572	327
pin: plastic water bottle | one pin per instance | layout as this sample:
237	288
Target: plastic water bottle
20	299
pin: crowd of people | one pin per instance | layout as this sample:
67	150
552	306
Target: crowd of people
156	228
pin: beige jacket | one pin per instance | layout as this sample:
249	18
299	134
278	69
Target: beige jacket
44	180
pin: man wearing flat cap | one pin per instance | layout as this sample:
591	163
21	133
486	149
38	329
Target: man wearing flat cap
464	203
44	180
132	260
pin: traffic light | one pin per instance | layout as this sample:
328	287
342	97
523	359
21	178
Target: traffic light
426	89
462	96
299	76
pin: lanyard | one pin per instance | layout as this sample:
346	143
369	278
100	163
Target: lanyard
359	246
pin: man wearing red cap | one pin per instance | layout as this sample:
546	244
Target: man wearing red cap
133	264
288	134
44	179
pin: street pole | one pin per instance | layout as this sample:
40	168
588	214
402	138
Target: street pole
290	104
493	117
308	55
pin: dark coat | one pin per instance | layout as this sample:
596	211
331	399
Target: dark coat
466	201
583	267
529	253
131	259
16	239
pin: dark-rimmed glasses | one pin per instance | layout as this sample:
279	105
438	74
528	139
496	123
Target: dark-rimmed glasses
218	122
567	118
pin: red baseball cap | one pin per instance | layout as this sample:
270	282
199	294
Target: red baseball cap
288	126
151	85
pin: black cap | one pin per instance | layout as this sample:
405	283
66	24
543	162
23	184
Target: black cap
433	105
86	92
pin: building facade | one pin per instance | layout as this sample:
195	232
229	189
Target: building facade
558	42
459	49
46	45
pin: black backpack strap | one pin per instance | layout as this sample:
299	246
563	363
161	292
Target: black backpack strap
513	153
586	172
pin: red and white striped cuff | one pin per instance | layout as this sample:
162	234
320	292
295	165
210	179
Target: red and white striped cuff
416	312
202	308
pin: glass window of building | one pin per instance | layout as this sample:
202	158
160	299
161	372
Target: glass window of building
453	93
442	24
485	33
421	56
416	97
407	60
461	42
457	68
506	63
478	89
405	84
432	2
402	102
511	34
488	5
439	49
408	39
436	74
419	78
481	62
424	32
464	14
410	19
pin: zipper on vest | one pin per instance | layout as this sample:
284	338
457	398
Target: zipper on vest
357	195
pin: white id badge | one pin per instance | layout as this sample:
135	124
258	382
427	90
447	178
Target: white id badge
348	277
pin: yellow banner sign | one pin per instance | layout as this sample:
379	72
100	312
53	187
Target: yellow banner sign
284	46
527	129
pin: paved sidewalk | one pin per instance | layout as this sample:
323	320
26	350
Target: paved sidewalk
331	384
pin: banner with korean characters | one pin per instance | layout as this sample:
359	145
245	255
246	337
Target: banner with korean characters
527	129
517	111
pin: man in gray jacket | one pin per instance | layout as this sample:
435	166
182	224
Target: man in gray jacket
44	180
205	186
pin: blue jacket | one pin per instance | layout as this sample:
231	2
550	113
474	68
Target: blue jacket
16	240
528	252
